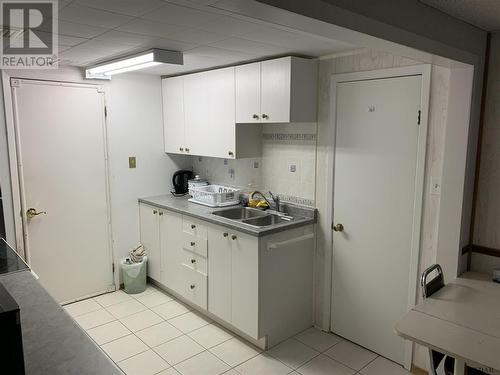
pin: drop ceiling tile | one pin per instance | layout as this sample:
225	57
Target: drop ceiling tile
67	41
146	27
249	46
79	30
217	53
196	36
114	36
180	15
90	16
229	26
129	7
104	47
173	45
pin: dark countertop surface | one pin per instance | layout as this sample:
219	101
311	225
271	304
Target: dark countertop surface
182	206
53	342
9	260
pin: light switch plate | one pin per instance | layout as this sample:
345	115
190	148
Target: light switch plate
132	162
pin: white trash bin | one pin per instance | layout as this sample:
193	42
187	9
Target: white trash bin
134	275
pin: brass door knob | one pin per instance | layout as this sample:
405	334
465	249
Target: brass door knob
338	228
32	212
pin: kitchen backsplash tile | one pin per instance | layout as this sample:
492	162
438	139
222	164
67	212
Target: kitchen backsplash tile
287	166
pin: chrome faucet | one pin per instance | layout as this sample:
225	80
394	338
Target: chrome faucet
275	198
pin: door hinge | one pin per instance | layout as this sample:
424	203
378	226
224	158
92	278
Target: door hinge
419	116
105	111
113	267
332	226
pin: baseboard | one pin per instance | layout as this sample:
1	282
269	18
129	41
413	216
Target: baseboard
418	371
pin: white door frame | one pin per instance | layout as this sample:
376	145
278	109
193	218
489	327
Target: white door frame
16	166
424	71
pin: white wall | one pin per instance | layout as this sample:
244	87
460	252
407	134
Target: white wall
135	128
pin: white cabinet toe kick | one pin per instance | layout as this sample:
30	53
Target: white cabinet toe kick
261	288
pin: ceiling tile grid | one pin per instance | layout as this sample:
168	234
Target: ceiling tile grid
92	31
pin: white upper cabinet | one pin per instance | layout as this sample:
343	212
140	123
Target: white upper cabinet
277	91
215	113
173	114
248	93
195	112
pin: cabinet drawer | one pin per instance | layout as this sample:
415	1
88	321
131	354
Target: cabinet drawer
194	261
194	227
195	244
194	286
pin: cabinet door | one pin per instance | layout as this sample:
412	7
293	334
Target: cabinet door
219	271
275	90
196	111
247	83
245	283
150	238
219	140
170	248
173	114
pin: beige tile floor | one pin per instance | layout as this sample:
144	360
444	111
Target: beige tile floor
153	333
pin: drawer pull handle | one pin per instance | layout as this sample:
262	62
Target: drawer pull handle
225	234
192	244
234	236
193	260
193	226
192	286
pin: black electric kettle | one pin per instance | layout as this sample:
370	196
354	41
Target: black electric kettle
180	182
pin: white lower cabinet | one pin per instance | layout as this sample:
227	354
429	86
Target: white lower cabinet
259	286
150	238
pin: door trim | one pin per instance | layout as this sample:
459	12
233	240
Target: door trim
424	71
15	165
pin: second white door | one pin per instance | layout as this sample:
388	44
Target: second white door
377	135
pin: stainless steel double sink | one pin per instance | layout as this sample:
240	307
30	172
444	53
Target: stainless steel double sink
253	216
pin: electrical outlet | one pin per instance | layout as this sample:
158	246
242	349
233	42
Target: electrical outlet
226	162
293	168
132	162
256	164
435	186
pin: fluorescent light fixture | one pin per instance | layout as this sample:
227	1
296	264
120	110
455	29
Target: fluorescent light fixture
137	61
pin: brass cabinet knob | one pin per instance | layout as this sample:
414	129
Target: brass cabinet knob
230	153
192	286
160	213
225	234
155	212
193	226
255	116
193	261
264	116
181	149
192	243
187	149
234	236
32	212
338	228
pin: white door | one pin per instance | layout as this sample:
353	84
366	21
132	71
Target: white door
219	269
173	114
276	90
150	239
170	248
245	283
195	113
218	137
61	137
247	83
374	196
